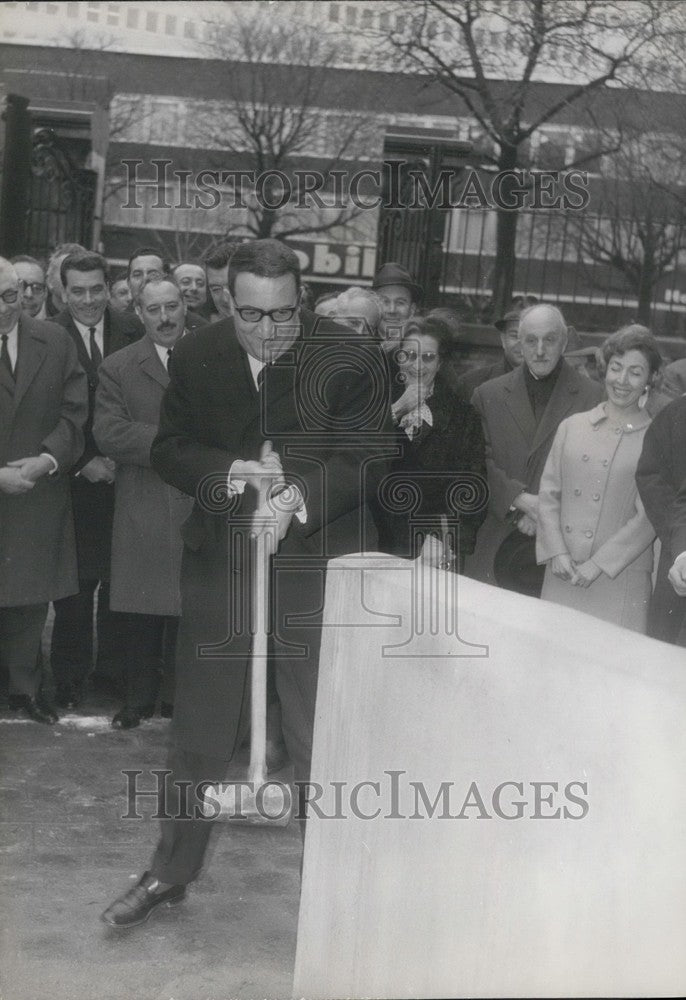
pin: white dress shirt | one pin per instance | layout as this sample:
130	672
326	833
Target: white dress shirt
86	337
163	354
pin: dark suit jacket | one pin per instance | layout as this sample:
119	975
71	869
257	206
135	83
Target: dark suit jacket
44	410
660	475
328	417
517	448
94	502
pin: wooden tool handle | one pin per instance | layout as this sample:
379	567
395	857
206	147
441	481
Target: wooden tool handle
257	771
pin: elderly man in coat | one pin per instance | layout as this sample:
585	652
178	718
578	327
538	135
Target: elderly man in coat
146	540
43	407
521	412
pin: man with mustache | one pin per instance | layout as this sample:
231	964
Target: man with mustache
146	543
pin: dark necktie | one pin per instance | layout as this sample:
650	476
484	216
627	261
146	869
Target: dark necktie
96	356
5	354
260	378
169	354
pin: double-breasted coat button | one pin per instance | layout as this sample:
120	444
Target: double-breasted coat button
568	528
596	496
584	458
577	492
618	430
606	461
589	534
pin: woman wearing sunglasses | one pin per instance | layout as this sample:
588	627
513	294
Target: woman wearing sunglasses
441	467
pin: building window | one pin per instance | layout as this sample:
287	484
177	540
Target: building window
189	29
384	21
366	19
151	20
164	121
72	10
333	12
51	8
132	17
351	15
113	14
552	151
170	25
93	12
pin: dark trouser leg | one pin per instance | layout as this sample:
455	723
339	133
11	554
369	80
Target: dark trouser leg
71	655
171	630
179	854
112	635
144	658
299	593
20	638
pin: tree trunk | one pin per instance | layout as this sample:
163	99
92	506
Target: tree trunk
506	236
647	279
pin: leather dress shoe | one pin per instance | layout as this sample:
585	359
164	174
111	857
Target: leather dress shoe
135	906
128	717
166	710
35	708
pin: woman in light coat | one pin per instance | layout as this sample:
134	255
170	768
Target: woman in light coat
593	534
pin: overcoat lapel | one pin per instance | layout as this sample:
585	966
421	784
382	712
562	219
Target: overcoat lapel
151	364
517	401
31	355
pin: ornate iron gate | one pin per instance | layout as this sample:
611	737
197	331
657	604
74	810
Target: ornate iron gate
411	227
61	199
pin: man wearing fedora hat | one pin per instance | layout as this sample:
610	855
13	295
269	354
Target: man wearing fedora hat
399	296
507	326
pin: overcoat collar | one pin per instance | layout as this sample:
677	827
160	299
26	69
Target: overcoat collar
559	405
599	413
150	362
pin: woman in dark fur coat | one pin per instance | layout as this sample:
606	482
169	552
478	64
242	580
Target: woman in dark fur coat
437	487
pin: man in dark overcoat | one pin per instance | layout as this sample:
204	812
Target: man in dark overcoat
148	513
43	407
97	331
660	474
262	397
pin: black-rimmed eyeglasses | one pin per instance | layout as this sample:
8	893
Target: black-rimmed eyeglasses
250	314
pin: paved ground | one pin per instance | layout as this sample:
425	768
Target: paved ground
65	853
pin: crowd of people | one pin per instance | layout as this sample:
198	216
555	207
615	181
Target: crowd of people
150	420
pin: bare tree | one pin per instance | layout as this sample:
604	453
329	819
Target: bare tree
276	76
639	222
462	44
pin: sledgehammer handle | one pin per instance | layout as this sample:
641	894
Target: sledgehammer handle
257	772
